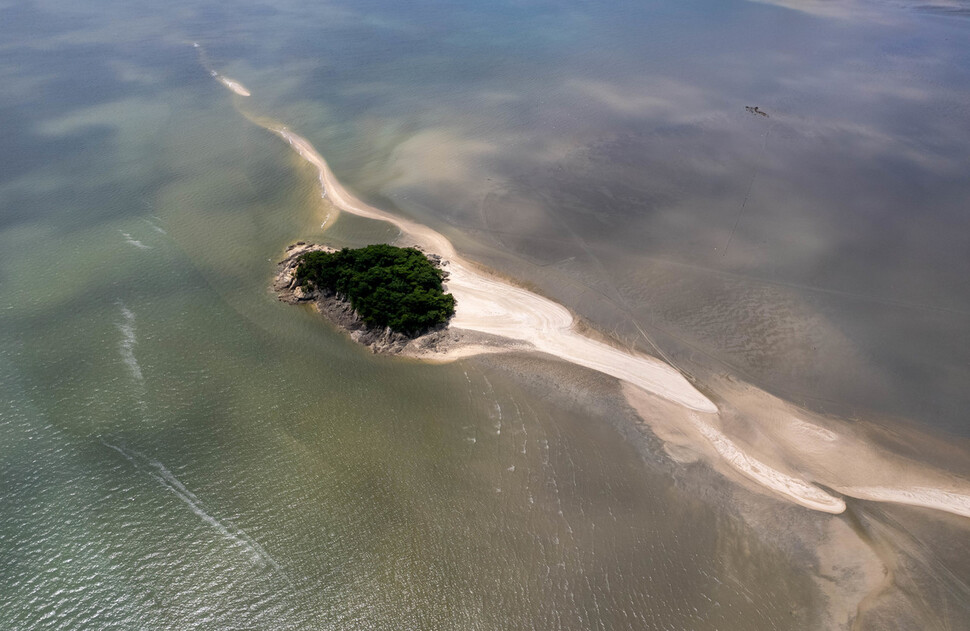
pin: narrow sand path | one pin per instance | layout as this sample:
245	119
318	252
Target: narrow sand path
925	497
235	86
490	305
800	491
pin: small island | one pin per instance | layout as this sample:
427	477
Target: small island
387	286
388	298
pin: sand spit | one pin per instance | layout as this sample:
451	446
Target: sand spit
688	435
489	305
791	487
780	451
233	85
838	455
792	452
938	499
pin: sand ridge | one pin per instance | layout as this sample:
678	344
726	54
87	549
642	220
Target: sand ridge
489	305
233	85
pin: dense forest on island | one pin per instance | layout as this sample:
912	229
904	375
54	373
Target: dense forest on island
386	285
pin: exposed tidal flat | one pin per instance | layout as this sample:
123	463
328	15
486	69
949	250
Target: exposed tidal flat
179	447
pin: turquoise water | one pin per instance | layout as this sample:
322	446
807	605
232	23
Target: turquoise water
180	450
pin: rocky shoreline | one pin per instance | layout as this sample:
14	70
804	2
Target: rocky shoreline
440	343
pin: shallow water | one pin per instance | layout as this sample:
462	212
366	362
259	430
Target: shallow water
179	447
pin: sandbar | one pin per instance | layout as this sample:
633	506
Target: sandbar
234	85
490	305
494	307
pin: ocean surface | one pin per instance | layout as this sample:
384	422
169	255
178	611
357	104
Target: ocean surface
179	450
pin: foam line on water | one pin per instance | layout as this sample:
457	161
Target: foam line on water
128	340
156	227
161	474
135	242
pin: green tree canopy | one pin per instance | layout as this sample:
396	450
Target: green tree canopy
386	285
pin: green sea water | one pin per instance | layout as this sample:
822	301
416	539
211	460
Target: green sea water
179	450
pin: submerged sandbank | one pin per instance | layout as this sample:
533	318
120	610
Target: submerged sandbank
232	84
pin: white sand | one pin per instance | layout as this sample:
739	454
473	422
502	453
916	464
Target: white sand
798	491
833	453
693	433
233	85
939	499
